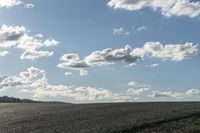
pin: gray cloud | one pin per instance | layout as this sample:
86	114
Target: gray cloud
110	56
22	80
130	56
18	37
72	61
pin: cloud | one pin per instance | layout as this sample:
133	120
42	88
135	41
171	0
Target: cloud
155	65
30	42
10	3
129	55
3	53
192	92
21	80
9	35
72	62
18	37
167	8
174	52
29	5
33	54
68	73
136	88
120	31
79	94
13	3
165	94
34	81
110	56
142	28
83	72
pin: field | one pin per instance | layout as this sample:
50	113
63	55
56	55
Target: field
100	118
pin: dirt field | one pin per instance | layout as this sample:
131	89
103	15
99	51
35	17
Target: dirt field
100	118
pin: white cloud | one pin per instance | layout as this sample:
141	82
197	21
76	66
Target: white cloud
119	31
50	42
68	73
33	54
83	72
34	81
18	37
9	35
39	35
10	3
166	94
142	28
30	42
166	7
72	62
192	92
155	65
13	3
29	5
174	52
3	53
79	94
136	88
21	80
129	55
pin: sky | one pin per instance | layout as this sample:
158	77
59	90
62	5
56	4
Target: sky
100	50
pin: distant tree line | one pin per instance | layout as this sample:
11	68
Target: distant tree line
6	99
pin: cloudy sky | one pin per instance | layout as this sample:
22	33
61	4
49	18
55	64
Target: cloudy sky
100	50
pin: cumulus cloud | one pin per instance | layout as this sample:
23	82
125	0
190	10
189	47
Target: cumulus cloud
192	92
34	81
165	94
166	7
79	94
13	3
137	89
22	80
18	37
110	56
72	61
120	31
104	57
174	52
9	35
3	53
129	55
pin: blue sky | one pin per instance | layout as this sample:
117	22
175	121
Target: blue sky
100	51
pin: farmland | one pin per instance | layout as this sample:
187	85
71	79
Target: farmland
99	118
